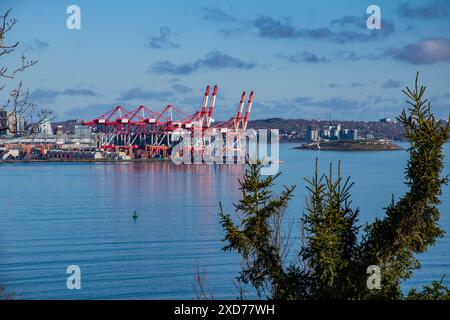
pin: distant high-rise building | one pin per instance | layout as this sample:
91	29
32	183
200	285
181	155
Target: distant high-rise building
336	133
83	132
59	130
369	136
343	134
312	133
20	125
45	128
325	134
11	123
353	134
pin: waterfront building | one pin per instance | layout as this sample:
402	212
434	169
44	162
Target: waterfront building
20	125
335	132
3	122
312	133
353	134
325	134
45	128
83	132
369	136
11	124
343	134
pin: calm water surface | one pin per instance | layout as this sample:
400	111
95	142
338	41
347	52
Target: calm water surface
53	215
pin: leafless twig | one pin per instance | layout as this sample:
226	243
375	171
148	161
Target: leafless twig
17	109
201	292
7	24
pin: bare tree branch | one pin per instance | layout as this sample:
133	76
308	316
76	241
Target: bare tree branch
24	65
16	114
7	25
199	286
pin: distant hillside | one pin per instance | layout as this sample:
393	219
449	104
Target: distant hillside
68	125
294	129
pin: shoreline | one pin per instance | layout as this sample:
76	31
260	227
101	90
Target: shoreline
355	145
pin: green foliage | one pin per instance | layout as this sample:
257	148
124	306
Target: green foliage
331	234
435	291
411	224
252	238
333	262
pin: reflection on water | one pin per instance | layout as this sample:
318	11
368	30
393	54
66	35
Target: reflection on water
56	214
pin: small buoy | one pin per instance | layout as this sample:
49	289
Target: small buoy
135	215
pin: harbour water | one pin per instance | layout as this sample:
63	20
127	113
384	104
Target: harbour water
53	215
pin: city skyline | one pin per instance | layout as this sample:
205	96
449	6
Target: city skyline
152	54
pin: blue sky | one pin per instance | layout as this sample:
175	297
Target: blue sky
303	59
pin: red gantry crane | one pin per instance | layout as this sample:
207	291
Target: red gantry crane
157	131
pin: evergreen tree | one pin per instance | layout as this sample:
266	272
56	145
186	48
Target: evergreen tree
435	291
331	233
252	238
411	225
333	260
